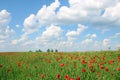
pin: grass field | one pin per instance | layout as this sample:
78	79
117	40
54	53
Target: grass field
104	65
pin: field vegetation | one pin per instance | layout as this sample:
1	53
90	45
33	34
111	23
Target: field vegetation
102	65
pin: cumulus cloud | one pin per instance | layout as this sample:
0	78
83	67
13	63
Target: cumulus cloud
47	15
117	35
106	42
87	41
110	17
52	32
80	29
71	35
23	39
31	24
5	32
78	12
83	11
97	13
4	18
91	35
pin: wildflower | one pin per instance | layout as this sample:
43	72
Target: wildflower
35	67
57	59
84	62
83	70
101	67
78	78
61	64
43	76
67	77
118	60
118	69
106	69
19	64
102	63
0	65
71	79
58	76
92	70
8	70
49	61
111	62
90	65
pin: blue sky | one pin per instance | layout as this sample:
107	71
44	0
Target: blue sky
70	25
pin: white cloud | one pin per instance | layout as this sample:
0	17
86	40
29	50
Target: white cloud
79	12
31	24
87	41
110	17
91	35
47	15
17	26
52	32
23	39
5	32
34	22
82	11
97	13
68	15
117	35
4	18
71	35
80	29
106	42
112	12
118	46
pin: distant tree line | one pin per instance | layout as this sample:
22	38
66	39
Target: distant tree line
51	50
48	50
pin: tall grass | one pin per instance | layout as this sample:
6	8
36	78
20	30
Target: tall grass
104	65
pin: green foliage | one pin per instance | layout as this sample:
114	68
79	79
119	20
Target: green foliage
52	50
39	50
29	66
48	50
56	50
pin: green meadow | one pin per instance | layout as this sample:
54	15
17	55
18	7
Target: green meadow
102	65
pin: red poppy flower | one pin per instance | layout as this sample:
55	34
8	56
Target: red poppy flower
57	59
92	70
101	67
0	65
84	62
71	79
58	76
118	60
67	77
111	62
19	64
9	69
43	76
106	69
35	67
90	65
78	78
118	69
61	64
83	70
49	61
